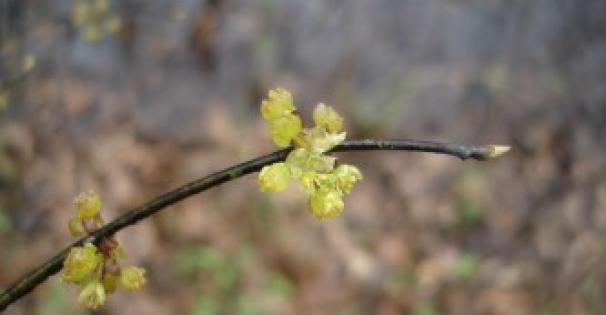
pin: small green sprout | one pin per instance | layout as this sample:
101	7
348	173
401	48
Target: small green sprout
308	162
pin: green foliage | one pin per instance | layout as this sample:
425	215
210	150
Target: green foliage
218	278
248	306
467	266
4	97
205	258
425	308
400	282
470	213
278	284
205	306
5	224
8	169
264	216
217	275
351	309
56	301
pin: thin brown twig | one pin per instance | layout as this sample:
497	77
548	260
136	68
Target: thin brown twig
37	276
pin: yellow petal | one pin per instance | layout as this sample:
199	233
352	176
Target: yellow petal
327	117
80	263
110	282
319	140
284	129
347	176
302	160
92	295
278	104
76	228
275	177
88	204
326	203
132	278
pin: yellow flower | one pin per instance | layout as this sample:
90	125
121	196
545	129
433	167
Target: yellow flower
76	228
80	263
307	162
132	278
327	117
308	181
88	204
110	282
313	181
347	176
275	177
326	203
278	104
319	140
301	160
92	295
284	129
117	252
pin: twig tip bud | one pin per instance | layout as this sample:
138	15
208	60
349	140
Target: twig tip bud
498	150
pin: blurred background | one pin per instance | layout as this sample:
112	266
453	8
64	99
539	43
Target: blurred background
133	98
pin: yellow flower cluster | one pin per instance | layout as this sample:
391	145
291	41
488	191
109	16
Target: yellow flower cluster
95	19
96	269
307	163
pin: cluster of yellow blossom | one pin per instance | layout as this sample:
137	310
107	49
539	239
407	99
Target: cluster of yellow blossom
96	268
95	19
307	163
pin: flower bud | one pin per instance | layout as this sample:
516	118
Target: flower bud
80	262
92	295
307	180
347	176
319	140
132	278
326	203
110	282
76	228
275	177
302	160
284	129
327	117
88	204
278	104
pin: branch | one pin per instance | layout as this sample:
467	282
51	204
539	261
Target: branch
32	279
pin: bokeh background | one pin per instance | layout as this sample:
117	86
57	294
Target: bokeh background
133	98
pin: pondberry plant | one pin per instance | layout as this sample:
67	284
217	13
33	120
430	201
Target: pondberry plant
307	163
96	268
